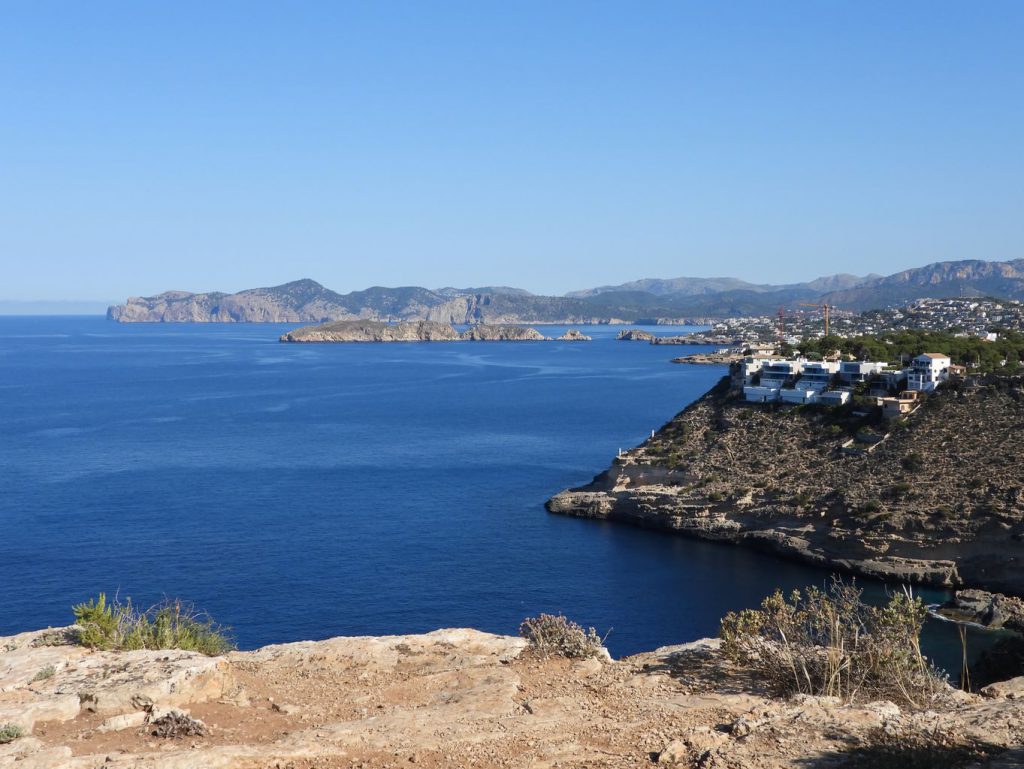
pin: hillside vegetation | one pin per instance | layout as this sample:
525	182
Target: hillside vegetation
1004	355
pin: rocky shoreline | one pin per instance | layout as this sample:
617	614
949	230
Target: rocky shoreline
929	506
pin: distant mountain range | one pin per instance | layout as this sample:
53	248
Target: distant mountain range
649	300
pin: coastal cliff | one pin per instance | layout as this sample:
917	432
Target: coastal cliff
456	698
421	331
306	301
939	501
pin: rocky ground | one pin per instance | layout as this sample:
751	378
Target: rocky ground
939	501
460	698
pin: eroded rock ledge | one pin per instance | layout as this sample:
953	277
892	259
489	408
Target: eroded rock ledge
941	502
451	698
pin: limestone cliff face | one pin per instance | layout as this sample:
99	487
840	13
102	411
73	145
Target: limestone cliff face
940	501
301	301
450	698
306	301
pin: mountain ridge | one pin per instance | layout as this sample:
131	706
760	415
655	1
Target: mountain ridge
648	300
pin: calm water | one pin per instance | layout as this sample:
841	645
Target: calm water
310	491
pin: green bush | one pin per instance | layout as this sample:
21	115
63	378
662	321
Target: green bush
98	627
167	625
555	634
47	672
802	498
871	506
9	733
912	462
832	643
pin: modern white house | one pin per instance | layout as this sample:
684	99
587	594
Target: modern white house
817	376
927	370
894	379
791	381
798	395
749	366
775	374
760	394
781	373
856	371
834	397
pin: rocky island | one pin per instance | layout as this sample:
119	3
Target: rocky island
419	331
938	499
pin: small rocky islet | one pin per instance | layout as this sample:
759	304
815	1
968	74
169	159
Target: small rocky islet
421	331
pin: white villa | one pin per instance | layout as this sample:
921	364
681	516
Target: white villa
926	371
791	381
802	381
856	371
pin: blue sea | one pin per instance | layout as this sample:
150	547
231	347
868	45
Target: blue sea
307	491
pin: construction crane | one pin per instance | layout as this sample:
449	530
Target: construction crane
825	308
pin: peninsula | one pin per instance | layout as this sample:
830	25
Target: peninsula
420	331
935	496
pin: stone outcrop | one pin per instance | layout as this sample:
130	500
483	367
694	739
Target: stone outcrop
940	502
454	698
420	331
634	335
573	335
983	608
503	334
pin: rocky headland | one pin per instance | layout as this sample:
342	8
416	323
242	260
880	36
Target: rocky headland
459	698
710	358
419	331
939	501
636	335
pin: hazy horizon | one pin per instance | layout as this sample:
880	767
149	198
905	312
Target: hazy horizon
545	146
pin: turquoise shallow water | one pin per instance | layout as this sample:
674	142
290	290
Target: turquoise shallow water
309	491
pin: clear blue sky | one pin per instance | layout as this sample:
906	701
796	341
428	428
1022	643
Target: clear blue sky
548	145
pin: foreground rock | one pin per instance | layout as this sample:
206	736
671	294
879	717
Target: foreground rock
421	331
939	502
451	698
